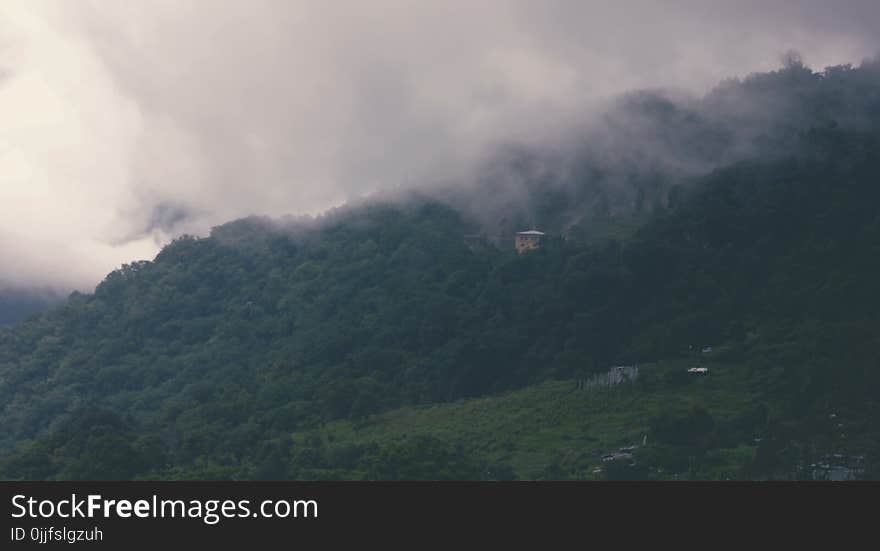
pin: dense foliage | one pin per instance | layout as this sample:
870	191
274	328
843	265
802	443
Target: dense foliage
204	362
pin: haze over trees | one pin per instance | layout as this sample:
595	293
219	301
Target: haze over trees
746	220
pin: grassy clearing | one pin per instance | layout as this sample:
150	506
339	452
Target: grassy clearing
532	428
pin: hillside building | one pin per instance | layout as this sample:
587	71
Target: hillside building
623	373
528	240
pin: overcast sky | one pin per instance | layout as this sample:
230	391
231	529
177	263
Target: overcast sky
123	124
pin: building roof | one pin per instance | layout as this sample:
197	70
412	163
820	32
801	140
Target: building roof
530	232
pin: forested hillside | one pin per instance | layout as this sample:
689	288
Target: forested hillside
622	167
227	355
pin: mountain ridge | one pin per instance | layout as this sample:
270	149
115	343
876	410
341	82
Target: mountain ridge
225	354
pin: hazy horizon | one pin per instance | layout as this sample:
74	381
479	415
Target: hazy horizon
126	125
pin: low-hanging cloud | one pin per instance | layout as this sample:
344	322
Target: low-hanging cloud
126	123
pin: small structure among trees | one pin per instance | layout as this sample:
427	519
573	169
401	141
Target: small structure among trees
614	376
528	240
